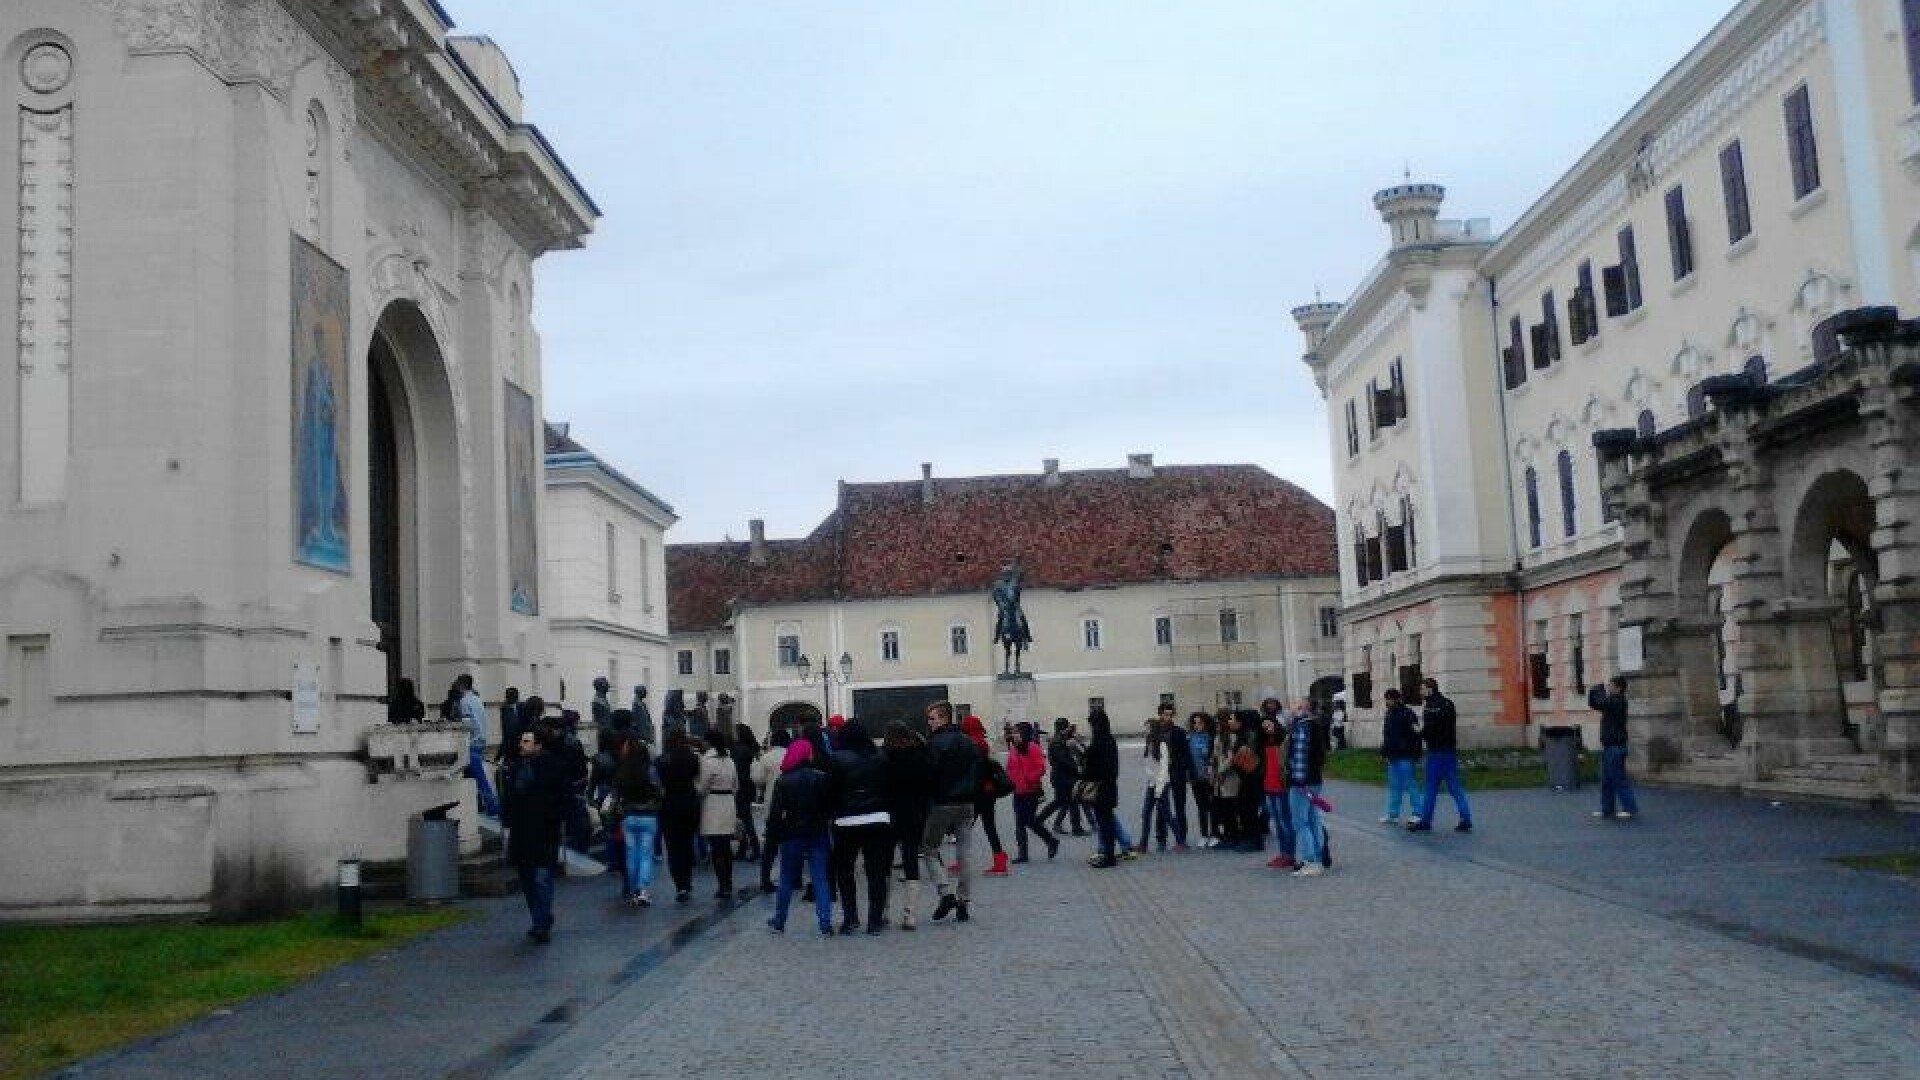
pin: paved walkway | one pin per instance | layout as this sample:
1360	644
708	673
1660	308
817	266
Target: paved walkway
1708	938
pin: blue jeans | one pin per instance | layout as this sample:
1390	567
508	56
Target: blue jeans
477	768
1399	785
1155	809
1443	766
1106	827
1177	790
1278	812
639	830
1614	781
1306	824
536	884
813	851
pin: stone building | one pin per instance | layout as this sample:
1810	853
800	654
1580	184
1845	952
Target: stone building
278	439
604	550
1770	180
1200	584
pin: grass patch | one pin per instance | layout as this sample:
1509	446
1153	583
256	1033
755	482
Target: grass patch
1903	863
73	991
1482	770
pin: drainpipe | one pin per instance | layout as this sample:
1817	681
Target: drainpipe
1513	513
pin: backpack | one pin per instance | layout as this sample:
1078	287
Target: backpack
995	783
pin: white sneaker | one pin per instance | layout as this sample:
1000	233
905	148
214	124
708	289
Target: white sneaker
1312	869
1623	816
1387	820
1598	814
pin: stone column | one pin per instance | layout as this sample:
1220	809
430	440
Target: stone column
1647	604
1891	412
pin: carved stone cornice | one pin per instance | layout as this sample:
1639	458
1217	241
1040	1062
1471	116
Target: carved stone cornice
386	61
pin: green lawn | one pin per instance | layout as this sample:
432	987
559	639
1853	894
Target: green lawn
68	992
1904	863
1483	770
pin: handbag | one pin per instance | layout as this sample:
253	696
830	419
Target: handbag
1086	791
1245	760
996	784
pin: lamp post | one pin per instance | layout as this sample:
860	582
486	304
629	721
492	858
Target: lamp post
827	676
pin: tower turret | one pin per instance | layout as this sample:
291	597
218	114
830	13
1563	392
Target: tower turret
1412	211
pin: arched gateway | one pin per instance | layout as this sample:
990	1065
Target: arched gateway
1773	572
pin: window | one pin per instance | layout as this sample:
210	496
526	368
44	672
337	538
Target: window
1539	671
1231	699
1679	233
1577	652
787	646
613	564
1359	556
646	578
1097	703
957	640
1090	633
683	661
1546	340
1329	621
1162	630
1533	508
723	661
1363	680
1622	282
1513	358
890	645
1397	392
1569	520
1353	430
613	669
1910	27
1409	672
1583	319
1645	424
1373	407
1166	699
1801	150
1733	188
1229	626
1406	526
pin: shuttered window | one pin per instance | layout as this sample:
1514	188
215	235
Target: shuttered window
1733	188
1802	151
1679	233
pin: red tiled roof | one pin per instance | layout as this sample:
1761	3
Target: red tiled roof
1092	527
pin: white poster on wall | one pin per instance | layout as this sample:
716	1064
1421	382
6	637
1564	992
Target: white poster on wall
1630	647
306	698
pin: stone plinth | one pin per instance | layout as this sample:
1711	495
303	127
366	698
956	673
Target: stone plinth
1014	700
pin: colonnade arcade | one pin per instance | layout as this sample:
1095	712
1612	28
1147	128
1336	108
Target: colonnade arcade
1770	597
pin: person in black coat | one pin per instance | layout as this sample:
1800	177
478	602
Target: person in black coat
745	749
1610	701
909	798
1400	745
862	826
537	793
679	770
1103	768
1063	771
1438	721
1179	771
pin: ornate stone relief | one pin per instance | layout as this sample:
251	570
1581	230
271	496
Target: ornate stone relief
238	40
1559	430
1689	362
46	67
1595	412
1744	333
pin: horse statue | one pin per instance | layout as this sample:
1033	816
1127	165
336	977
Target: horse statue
1010	624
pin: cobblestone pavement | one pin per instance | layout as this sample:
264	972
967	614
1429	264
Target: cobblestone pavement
1708	939
1410	958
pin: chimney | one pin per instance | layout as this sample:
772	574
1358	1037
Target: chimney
1140	466
926	483
1050	472
757	544
1412	211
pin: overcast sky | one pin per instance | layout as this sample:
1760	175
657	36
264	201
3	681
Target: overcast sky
843	238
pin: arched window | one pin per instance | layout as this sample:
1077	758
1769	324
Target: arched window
1756	370
1533	508
1569	519
1645	425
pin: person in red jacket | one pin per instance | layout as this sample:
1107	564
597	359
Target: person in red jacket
1027	768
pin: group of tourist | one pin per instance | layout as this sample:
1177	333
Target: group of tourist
842	806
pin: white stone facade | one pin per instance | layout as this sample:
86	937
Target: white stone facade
183	704
1770	179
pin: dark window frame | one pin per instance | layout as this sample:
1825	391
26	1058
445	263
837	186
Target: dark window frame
1569	513
1532	482
1803	146
1733	190
1679	233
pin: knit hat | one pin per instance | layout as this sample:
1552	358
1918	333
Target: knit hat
798	753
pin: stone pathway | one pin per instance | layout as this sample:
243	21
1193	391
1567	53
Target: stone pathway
1709	939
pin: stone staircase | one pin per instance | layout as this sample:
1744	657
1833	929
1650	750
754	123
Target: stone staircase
1709	762
1838	778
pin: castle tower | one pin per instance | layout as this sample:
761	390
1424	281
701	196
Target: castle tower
1411	211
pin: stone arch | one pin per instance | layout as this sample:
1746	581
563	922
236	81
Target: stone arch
1832	564
1835	508
415	497
792	715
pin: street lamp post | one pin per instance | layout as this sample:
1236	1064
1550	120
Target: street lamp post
827	676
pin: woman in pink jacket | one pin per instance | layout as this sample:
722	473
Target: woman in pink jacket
1027	768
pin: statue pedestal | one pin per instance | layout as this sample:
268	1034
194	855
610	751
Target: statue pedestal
1014	700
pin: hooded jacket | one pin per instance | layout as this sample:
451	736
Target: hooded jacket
1103	761
1026	767
956	766
802	803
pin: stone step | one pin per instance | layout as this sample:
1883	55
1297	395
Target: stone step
1835	792
1704	772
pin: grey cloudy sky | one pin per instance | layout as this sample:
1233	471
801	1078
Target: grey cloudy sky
843	238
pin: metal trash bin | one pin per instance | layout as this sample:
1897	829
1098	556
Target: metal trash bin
433	856
1562	747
